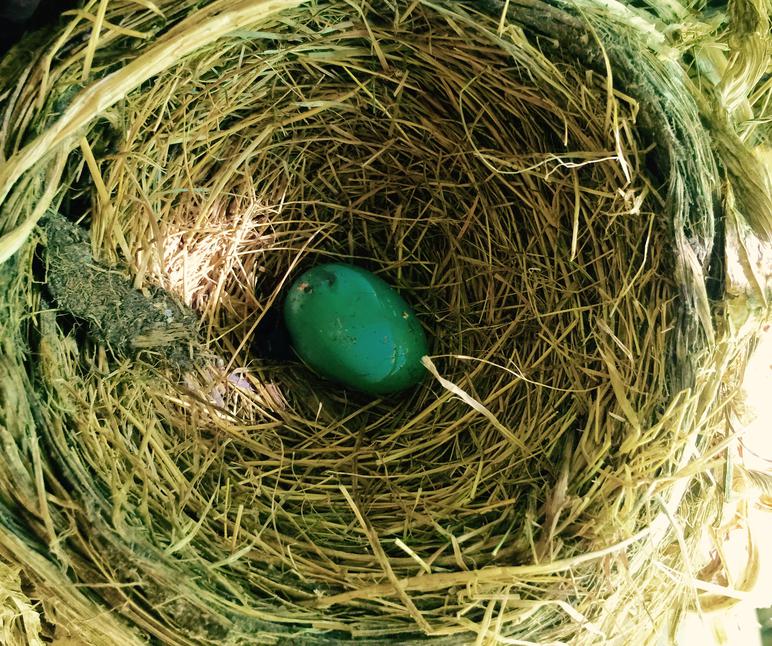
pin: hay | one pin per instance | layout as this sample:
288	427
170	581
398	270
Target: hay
545	185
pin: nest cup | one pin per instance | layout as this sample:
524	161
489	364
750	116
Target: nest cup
535	181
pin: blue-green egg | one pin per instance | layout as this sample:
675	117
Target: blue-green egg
349	325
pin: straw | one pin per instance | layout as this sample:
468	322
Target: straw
545	185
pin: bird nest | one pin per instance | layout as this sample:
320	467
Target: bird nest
538	180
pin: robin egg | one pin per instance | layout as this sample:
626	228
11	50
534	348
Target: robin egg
349	325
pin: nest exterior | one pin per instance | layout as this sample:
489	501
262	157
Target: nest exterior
556	188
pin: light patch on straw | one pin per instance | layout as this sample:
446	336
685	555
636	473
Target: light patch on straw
150	6
411	553
704	586
104	198
505	574
472	402
503	18
93	39
577	212
383	559
11	242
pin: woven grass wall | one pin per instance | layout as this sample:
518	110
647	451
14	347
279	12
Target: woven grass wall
574	198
